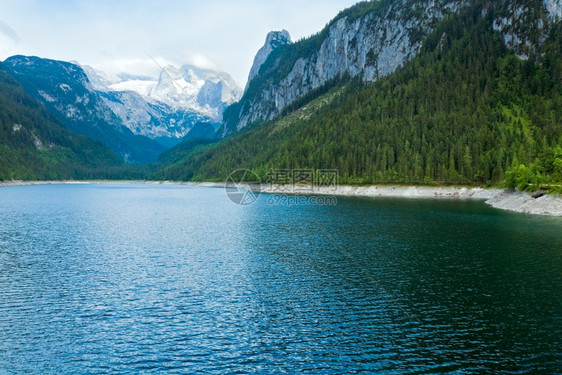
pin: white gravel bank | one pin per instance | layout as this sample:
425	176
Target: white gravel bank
550	205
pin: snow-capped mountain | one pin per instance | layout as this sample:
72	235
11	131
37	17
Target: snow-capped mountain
165	108
203	91
65	90
150	118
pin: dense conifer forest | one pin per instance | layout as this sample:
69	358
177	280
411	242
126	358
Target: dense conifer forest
466	110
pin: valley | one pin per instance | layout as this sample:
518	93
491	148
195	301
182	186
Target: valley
316	187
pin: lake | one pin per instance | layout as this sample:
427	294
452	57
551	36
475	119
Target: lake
133	278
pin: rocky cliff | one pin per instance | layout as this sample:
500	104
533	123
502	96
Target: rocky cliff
371	40
274	40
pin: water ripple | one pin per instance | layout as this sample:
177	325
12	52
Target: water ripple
142	279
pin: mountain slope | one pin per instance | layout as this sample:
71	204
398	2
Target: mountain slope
66	92
165	108
201	137
152	119
465	110
370	41
34	145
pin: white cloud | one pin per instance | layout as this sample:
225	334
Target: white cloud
221	34
8	31
7	45
141	67
9	39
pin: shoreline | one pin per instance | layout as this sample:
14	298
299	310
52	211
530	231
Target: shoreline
548	205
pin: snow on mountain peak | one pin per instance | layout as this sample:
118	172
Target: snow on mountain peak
98	80
166	106
178	88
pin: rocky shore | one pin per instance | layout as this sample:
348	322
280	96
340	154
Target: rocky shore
548	205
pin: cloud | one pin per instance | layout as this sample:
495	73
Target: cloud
133	66
9	32
151	66
9	40
217	34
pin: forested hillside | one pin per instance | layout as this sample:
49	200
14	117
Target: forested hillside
466	110
34	145
471	94
65	91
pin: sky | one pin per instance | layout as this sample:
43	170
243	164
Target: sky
125	35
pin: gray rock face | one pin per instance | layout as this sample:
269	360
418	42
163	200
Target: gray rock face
371	46
202	91
217	93
151	119
274	40
519	22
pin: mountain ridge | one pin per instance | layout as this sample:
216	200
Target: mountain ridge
167	107
64	89
273	40
371	40
137	117
35	146
465	110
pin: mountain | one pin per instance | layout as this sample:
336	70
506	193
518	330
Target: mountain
64	89
165	108
199	138
274	40
412	92
202	130
35	145
370	40
149	118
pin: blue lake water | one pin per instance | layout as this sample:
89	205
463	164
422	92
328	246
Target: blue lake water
126	278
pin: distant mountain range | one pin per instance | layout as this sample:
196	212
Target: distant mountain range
166	108
136	117
35	145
